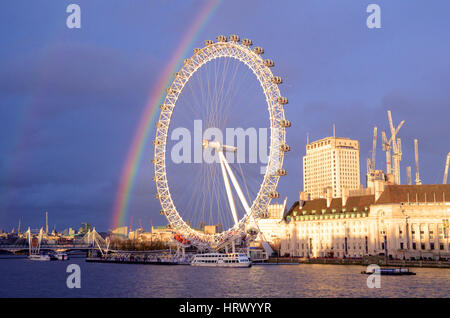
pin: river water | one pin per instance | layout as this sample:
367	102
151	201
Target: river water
24	278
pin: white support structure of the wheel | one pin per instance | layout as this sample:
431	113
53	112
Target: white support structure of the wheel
235	184
228	188
265	77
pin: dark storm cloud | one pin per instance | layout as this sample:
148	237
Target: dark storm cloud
70	100
79	101
70	72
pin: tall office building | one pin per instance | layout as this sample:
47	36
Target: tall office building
331	162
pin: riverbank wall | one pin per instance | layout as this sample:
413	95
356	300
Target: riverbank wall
381	261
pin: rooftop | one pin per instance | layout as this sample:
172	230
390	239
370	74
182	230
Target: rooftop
415	193
333	141
360	205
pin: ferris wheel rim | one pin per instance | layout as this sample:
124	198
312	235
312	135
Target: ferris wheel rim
212	51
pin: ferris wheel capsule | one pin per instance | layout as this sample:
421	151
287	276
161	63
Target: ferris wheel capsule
196	50
247	42
281	172
171	91
285	148
277	80
162	212
269	63
221	38
274	195
285	123
156	142
209	42
234	38
258	50
282	100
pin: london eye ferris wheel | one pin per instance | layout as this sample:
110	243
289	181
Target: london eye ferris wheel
224	84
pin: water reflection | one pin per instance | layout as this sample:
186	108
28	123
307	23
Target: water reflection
23	278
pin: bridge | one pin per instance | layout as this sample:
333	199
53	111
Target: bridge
51	247
92	240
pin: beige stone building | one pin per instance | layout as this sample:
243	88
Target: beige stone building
331	162
271	224
398	221
162	233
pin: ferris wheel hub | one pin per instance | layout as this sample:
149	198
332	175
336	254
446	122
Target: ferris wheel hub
217	146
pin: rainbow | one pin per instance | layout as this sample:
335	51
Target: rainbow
142	133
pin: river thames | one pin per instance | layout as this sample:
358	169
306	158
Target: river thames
21	277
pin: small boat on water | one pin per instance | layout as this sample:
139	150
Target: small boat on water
61	256
390	271
221	260
39	257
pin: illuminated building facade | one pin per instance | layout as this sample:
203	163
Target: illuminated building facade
331	162
398	221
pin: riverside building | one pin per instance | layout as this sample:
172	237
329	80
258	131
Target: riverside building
331	162
270	224
397	221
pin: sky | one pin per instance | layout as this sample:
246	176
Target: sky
71	99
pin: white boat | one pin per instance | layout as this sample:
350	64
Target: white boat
62	256
221	260
39	257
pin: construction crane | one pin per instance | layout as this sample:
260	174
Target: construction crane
399	154
408	175
387	149
447	162
371	161
372	173
374	147
396	156
416	155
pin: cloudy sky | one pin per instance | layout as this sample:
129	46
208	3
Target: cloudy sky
71	100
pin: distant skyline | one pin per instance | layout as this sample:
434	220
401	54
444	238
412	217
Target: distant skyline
71	100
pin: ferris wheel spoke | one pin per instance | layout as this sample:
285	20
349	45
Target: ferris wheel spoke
244	181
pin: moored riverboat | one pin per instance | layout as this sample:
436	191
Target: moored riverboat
390	271
221	260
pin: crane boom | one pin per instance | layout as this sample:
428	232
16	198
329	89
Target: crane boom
416	156
387	149
408	175
447	163
384	140
396	157
391	126
374	146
